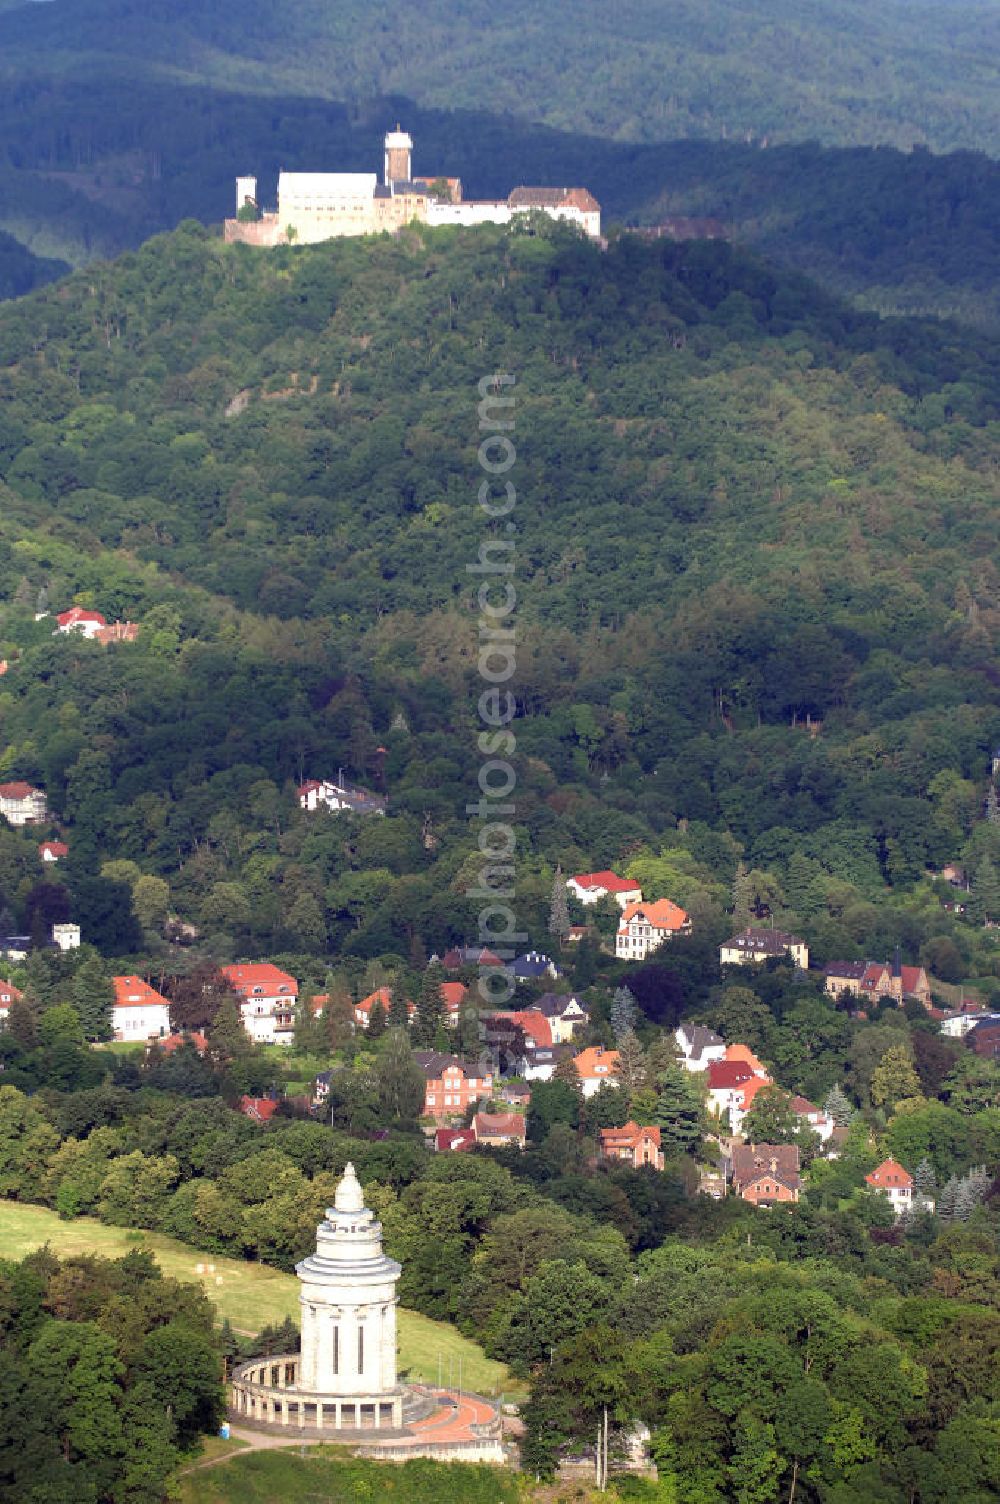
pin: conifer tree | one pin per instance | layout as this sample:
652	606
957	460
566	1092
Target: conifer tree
559	924
624	1012
376	1020
993	806
93	996
631	1067
338	1014
398	1016
566	1071
228	1039
838	1106
430	1005
947	1198
21	1023
678	1111
924	1179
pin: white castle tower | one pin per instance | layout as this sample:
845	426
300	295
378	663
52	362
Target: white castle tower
348	1300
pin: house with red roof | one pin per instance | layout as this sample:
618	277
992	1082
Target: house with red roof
892	1181
595	1066
813	1115
454	1140
591	887
743	1100
117	631
21	803
8	994
534	1025
633	1145
174	1042
324	793
453	995
258	1109
499	1129
726	1079
78	619
645	927
451	1084
53	851
766	1174
139	1011
876	980
267	997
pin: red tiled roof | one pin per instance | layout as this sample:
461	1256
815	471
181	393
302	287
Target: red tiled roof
724	1074
18	790
664	914
77	614
890	1174
628	1136
118	631
608	880
174	1041
8	993
596	1063
133	992
535	1025
261	1108
454	994
498	1125
243	977
802	1106
458	1140
749	1089
57	848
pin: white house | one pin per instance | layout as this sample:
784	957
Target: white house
753	945
698	1046
267	999
591	887
645	927
316	793
140	1012
956	1025
595	1066
21	804
892	1181
53	851
814	1116
66	936
84	623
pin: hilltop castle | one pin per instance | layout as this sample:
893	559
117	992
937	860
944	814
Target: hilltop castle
315	206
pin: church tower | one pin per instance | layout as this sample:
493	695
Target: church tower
348	1302
398	157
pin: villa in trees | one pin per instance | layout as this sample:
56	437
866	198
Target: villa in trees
500	1130
753	946
698	1046
338	796
566	1015
80	621
53	851
267	999
892	1181
632	1144
876	980
451	1084
139	1011
591	887
766	1174
595	1066
645	927
21	803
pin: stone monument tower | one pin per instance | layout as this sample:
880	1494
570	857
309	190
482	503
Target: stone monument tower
348	1301
398	157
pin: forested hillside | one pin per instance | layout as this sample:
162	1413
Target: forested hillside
745	509
644	70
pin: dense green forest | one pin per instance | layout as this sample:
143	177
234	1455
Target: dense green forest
744	507
88	169
847	72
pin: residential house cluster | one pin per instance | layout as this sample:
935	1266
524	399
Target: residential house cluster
91	624
876	980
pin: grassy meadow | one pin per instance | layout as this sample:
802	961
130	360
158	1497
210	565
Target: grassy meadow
251	1295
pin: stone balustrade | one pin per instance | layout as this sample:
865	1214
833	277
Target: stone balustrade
264	1392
